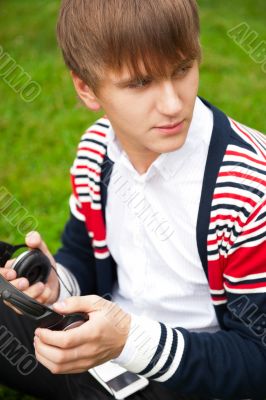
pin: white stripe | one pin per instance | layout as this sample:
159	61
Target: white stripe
79	171
86	190
213	247
91	135
250	235
86	153
85	199
218	302
101	256
232	202
244	181
252	276
234	192
96	206
92	146
99	242
254	290
177	359
164	353
217	291
240	158
253	243
74	210
214	257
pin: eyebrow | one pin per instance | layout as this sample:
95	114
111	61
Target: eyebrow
127	81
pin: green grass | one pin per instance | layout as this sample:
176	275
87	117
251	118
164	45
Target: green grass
38	139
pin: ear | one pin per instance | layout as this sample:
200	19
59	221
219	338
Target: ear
85	93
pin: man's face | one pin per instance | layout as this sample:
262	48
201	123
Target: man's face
150	116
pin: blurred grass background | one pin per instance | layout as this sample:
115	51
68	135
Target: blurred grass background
38	139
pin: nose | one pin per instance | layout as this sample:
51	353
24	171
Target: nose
169	102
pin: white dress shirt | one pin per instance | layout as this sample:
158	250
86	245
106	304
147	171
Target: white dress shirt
151	231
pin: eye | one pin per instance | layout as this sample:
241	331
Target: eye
182	70
139	83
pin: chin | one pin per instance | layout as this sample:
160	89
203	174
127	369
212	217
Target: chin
171	146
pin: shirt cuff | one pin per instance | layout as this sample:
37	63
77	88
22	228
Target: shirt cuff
141	345
68	283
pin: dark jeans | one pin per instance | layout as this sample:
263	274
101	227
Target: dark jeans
32	378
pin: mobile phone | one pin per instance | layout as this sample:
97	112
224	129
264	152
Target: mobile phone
117	380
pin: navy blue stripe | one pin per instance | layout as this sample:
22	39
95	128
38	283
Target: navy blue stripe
246	188
90	178
261	216
259	143
241	164
87	194
170	358
246	282
100	247
158	352
231	207
262	235
94	141
102	124
212	252
81	176
229	230
238	141
89	159
218	295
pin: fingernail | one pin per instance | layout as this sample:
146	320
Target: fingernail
40	285
23	284
37	333
60	304
30	233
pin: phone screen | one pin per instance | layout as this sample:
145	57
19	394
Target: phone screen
122	381
117	380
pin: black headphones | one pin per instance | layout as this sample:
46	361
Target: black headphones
44	316
31	264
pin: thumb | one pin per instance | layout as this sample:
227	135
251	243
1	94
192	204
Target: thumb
34	241
81	304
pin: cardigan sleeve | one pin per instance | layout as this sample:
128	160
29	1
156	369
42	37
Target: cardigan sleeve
76	252
227	364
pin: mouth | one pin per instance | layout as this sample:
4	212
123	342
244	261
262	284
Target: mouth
173	128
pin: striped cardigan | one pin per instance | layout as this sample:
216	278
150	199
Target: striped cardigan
231	226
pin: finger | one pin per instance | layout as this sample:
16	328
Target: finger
34	240
35	290
45	295
63	361
64	339
51	353
58	355
20	283
9	263
81	304
73	368
8	274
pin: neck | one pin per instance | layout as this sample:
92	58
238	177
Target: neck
141	162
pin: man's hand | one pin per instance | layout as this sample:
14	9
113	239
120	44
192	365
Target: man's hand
98	340
44	293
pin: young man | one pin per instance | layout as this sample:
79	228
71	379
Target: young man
168	218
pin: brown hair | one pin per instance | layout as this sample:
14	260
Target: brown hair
99	34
